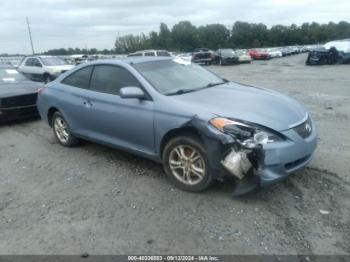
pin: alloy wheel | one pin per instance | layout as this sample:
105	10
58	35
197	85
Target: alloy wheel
187	164
61	130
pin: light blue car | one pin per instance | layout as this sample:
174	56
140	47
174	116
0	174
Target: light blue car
200	126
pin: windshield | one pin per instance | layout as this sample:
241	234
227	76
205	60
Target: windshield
11	75
227	51
171	76
53	61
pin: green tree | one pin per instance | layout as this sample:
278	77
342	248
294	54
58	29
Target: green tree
185	36
214	36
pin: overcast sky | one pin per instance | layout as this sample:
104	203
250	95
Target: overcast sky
96	23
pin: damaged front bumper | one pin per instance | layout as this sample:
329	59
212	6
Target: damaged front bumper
261	165
270	163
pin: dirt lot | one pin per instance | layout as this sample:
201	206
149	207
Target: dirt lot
94	199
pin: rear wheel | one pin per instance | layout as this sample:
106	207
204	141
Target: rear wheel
61	131
186	164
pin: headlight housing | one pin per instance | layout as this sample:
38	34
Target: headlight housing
248	134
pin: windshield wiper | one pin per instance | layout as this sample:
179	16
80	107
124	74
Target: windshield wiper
214	84
182	91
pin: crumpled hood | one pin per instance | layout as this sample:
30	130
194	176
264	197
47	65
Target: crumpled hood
260	106
19	88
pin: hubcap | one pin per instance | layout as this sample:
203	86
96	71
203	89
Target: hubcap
187	164
61	129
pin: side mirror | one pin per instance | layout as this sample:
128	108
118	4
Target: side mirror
131	92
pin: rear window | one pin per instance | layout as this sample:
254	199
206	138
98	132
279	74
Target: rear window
162	53
11	75
135	54
149	54
80	78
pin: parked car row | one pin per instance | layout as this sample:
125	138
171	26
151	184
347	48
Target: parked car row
225	56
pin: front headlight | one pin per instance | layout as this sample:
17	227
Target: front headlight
248	134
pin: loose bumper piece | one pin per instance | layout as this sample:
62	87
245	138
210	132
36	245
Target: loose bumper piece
237	163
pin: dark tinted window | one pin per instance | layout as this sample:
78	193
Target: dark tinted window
79	78
29	62
110	79
36	62
149	54
162	53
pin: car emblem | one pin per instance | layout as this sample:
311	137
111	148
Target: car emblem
308	127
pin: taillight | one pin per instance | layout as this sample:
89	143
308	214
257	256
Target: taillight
40	90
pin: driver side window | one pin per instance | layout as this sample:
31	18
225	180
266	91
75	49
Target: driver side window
36	62
110	79
29	62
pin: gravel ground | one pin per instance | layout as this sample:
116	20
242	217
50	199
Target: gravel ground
97	200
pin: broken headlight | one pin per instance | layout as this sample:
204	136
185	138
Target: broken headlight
248	134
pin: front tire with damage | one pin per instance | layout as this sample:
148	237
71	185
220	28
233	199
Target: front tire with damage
186	164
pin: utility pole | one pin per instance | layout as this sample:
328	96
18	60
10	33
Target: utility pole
30	36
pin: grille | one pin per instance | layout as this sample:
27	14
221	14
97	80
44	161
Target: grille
23	100
304	130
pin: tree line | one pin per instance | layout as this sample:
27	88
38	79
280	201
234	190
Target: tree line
184	36
84	51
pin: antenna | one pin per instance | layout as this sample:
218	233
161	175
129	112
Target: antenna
30	36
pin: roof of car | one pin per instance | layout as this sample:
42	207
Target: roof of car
41	56
133	59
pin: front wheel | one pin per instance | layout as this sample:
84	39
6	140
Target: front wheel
61	131
186	164
47	78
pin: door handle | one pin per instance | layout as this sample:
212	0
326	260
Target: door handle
87	103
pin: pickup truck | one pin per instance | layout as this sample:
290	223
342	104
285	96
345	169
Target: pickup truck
203	56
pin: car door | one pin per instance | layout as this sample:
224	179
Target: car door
25	67
72	96
126	123
37	70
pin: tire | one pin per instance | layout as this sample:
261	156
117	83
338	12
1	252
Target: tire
61	131
185	174
47	78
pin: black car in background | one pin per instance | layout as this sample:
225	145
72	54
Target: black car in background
226	57
18	95
323	56
203	56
